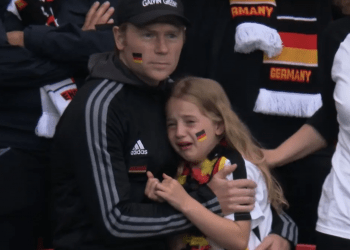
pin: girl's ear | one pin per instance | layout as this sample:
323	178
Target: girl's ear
119	38
219	128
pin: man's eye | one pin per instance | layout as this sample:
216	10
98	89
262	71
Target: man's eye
172	36
148	35
170	125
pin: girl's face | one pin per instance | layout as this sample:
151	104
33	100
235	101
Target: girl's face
192	134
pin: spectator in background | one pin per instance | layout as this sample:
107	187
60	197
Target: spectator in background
333	231
27	83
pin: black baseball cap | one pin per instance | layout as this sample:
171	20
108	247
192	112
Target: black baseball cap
141	12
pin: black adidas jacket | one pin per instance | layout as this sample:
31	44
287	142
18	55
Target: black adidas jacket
111	133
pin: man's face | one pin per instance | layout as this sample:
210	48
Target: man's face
152	52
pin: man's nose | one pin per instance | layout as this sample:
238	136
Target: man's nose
161	45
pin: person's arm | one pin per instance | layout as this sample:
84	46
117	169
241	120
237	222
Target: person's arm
236	196
225	232
321	129
305	141
21	68
69	42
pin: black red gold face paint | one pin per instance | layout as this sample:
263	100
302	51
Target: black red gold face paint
137	57
201	135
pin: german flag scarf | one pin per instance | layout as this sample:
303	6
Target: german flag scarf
290	79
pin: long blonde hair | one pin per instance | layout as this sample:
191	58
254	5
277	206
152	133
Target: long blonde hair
212	100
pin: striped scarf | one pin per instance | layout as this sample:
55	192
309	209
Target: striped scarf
290	86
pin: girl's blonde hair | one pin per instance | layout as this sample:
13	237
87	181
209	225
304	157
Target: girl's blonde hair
213	102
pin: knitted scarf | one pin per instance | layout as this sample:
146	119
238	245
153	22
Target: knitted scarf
255	30
193	175
290	79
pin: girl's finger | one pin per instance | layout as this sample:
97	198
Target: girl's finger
165	176
150	186
149	174
161	194
161	187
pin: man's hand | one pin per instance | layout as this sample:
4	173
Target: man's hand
15	38
234	196
98	15
274	242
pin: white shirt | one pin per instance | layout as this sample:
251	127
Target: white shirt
262	214
334	206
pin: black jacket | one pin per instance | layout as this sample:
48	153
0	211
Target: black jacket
50	55
111	133
22	73
68	43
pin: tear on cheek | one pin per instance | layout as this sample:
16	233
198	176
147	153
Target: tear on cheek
201	135
137	57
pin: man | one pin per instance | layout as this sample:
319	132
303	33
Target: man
114	131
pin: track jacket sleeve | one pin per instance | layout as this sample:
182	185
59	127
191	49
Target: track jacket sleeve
284	226
3	38
103	176
67	43
20	67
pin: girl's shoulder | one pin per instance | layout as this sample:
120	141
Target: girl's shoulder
253	172
227	156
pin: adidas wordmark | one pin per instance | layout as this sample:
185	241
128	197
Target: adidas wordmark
138	149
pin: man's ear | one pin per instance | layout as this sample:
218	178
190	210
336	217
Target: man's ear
220	128
119	38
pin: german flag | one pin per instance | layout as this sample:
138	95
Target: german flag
220	164
201	136
137	57
299	49
138	169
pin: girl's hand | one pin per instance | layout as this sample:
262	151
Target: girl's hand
151	188
173	192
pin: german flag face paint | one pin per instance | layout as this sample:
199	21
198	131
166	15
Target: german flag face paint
201	135
137	57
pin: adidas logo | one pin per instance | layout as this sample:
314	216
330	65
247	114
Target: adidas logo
139	149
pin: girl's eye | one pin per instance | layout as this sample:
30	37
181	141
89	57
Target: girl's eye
190	122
